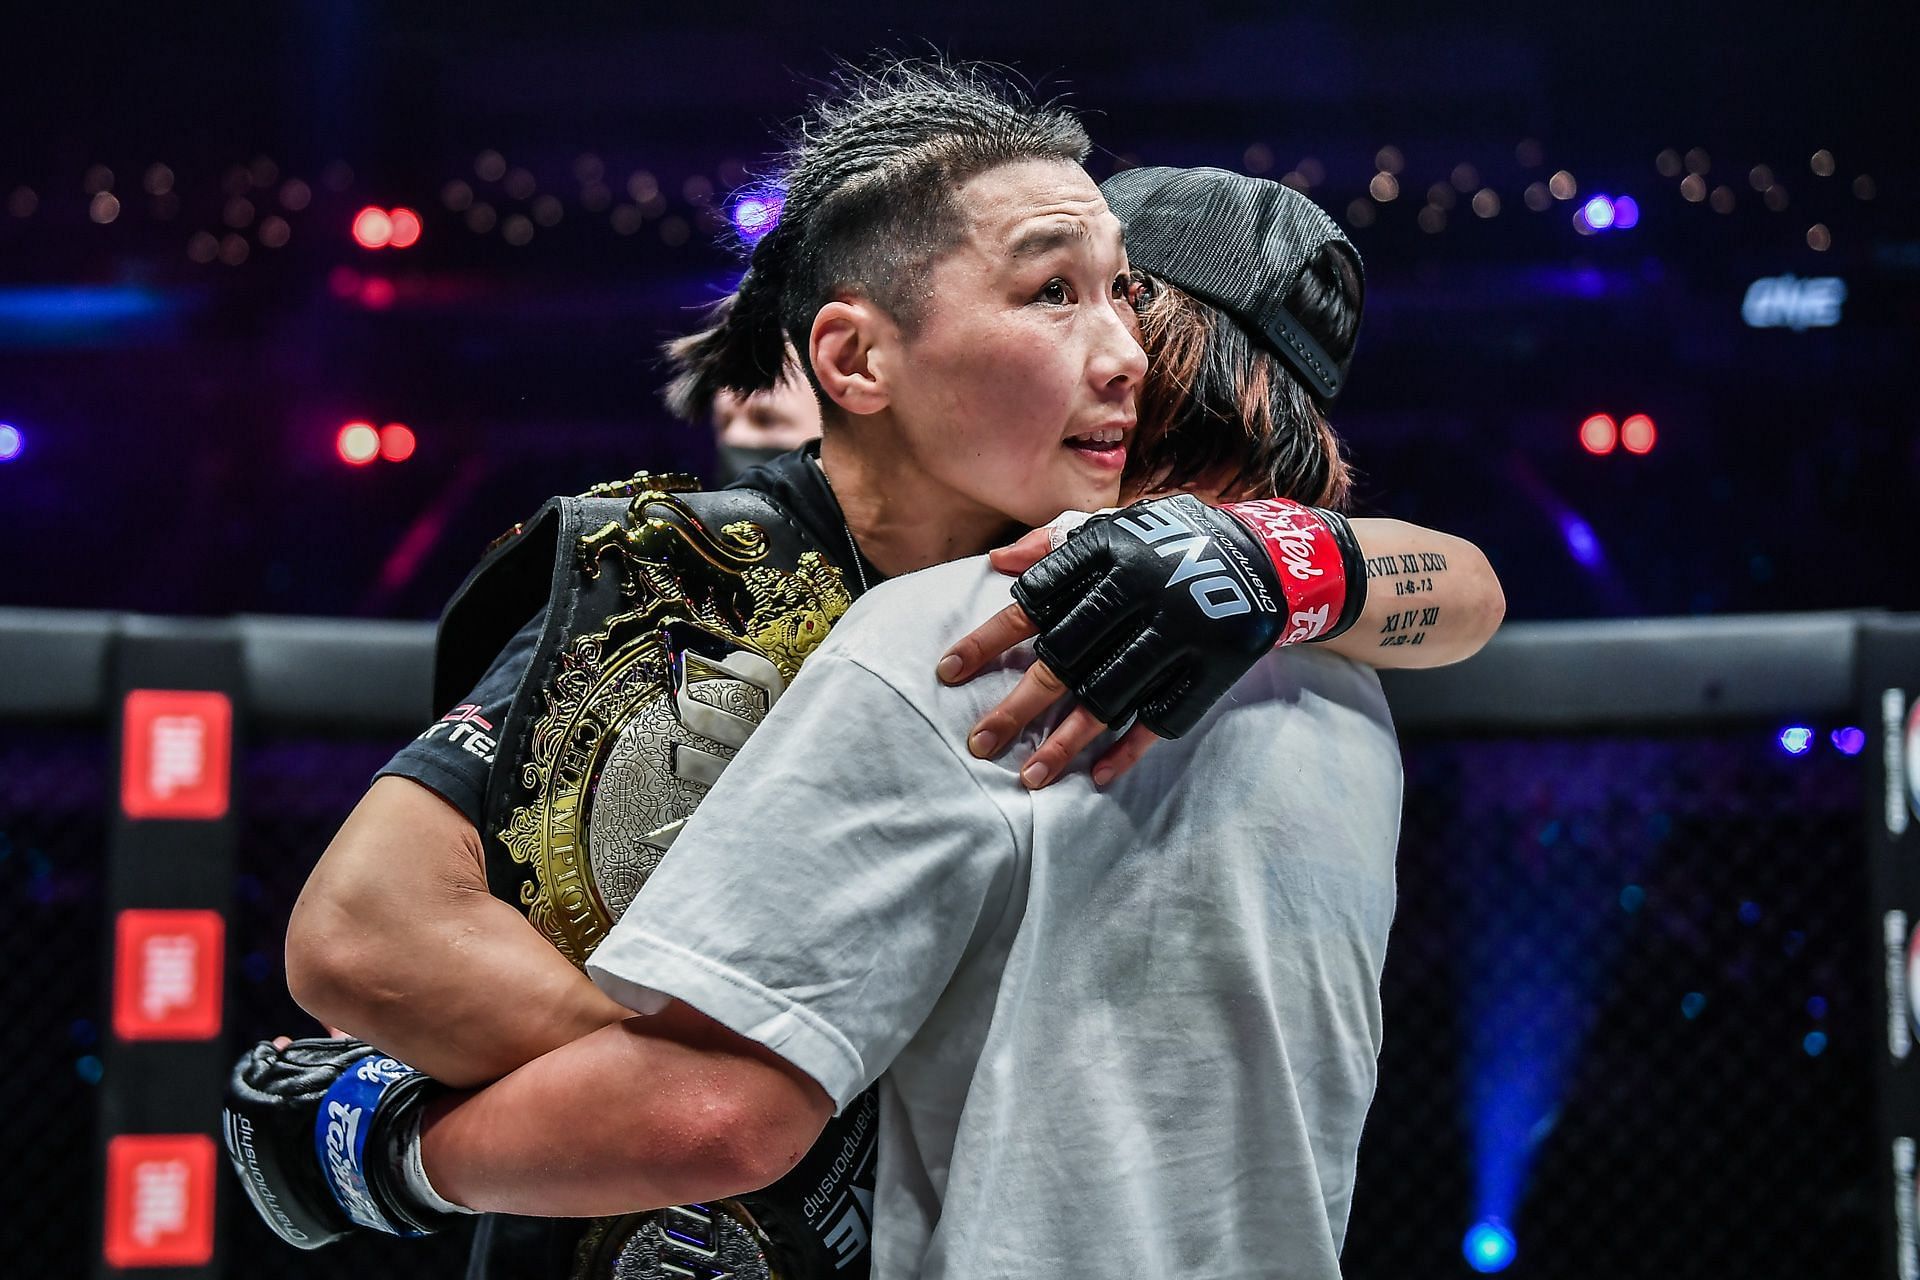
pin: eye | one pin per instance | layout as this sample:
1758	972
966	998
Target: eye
1055	292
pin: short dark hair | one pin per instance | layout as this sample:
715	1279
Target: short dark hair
868	186
1219	406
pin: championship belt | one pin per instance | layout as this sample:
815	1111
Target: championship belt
674	620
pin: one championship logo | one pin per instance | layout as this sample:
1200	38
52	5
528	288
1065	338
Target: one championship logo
1215	588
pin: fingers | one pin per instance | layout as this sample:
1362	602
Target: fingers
1018	557
984	643
1038	690
1124	754
281	1042
1051	758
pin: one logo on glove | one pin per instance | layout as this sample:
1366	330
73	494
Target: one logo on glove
1215	588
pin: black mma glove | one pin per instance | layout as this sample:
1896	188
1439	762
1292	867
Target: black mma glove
1157	609
317	1132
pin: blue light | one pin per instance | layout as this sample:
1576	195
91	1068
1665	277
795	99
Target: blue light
1631	897
1796	739
1626	213
1691	1004
1489	1247
89	1068
1599	213
1849	741
1581	540
12	441
757	212
1816	1006
1749	913
1815	1044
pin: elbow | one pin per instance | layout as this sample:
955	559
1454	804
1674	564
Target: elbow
332	969
745	1140
1495	611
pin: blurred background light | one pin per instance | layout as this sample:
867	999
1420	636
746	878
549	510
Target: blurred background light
1796	739
397	442
372	228
1598	434
12	442
1637	434
1850	741
1599	211
1488	1247
1581	541
358	444
755	213
403	229
1626	212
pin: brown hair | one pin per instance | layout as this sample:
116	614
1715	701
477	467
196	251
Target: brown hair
1218	408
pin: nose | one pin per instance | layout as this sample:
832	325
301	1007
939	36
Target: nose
1119	363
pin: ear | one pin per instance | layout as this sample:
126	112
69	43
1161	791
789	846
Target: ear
845	336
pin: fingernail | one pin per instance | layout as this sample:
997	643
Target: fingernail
1035	774
949	667
982	744
1102	776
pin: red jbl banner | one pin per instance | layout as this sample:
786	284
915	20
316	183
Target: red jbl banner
160	1193
166	974
176	750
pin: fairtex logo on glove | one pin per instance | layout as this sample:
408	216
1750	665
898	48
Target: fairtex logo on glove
1302	546
340	1136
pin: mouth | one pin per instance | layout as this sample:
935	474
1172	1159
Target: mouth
1104	447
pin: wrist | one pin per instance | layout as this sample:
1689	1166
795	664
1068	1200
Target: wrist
1316	560
366	1129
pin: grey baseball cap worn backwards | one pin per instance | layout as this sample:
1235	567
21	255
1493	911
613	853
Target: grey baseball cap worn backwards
1237	242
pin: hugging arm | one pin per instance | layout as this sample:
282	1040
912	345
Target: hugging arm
1150	611
396	940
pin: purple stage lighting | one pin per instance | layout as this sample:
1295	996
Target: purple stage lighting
1796	739
1850	741
11	442
1600	212
756	213
1626	212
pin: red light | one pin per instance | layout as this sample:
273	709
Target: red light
404	229
358	444
397	442
1598	434
377	293
343	282
1637	434
373	229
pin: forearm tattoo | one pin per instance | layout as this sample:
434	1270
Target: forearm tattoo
1412	573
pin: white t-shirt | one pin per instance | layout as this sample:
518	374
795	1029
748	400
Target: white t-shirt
1129	1033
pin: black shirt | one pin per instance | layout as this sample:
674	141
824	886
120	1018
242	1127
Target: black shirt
454	756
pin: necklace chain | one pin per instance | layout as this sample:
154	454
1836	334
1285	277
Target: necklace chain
859	569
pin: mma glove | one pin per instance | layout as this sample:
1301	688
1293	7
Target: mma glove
322	1134
1158	608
